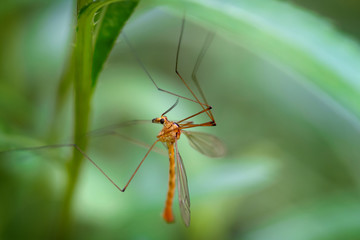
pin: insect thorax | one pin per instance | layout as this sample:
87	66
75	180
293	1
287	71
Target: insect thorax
170	132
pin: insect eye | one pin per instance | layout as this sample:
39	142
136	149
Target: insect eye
162	121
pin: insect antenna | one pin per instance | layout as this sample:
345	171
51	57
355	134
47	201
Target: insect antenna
177	101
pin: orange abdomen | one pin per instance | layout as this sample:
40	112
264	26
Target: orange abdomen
168	213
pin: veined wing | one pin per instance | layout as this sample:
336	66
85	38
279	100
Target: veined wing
114	130
182	187
108	130
206	144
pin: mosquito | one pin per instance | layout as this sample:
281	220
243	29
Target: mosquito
206	144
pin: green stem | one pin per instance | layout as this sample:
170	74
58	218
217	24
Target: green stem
83	93
81	3
83	59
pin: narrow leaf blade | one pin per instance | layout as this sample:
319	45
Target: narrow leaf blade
113	19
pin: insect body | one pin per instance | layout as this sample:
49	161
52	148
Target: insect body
169	135
171	130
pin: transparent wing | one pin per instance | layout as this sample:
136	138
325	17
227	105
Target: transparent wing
108	130
115	130
206	144
183	190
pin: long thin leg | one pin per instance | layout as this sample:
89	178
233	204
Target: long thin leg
181	78
205	110
149	75
199	59
190	124
132	176
207	124
88	158
201	55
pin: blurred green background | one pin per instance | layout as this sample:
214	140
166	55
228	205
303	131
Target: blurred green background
282	77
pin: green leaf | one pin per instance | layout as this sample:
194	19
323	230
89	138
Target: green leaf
111	20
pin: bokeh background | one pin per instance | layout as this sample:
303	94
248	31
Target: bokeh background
282	77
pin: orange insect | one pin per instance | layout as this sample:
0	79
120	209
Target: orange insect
171	132
169	135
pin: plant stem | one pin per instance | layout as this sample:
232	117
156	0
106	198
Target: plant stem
83	92
82	58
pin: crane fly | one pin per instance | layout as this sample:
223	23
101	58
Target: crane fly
172	130
170	134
